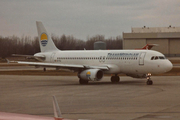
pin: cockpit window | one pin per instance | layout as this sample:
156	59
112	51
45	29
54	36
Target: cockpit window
158	57
152	58
161	57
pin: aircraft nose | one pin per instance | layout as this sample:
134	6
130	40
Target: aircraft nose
168	66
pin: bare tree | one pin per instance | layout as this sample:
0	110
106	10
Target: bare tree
27	45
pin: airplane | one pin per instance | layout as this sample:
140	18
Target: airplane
91	65
147	47
16	116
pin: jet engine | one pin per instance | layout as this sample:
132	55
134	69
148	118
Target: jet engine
91	75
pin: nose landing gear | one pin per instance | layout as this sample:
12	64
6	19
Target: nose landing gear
149	81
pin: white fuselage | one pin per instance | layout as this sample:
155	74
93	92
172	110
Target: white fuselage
118	61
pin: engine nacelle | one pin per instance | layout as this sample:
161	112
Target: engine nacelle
137	75
91	75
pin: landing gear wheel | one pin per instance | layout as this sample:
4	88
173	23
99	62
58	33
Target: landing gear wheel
83	82
149	82
115	79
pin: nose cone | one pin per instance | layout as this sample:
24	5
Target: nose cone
168	66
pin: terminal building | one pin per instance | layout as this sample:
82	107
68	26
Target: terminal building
167	38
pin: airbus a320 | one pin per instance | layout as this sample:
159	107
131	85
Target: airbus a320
91	65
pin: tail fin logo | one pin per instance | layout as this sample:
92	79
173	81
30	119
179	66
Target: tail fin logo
44	39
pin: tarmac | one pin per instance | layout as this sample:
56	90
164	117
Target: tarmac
131	99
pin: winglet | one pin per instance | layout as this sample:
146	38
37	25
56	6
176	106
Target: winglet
57	112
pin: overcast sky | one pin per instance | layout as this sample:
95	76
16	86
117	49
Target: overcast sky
83	18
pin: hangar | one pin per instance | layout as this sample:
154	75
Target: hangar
167	38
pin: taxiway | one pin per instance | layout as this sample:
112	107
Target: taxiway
131	99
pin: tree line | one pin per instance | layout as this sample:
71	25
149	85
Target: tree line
29	46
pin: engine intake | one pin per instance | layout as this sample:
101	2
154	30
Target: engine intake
91	74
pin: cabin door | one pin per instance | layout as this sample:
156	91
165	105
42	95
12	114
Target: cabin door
52	57
141	58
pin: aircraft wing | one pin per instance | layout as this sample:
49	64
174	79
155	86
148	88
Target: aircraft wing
16	116
67	66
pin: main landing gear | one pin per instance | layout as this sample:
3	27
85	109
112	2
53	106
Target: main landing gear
115	79
149	81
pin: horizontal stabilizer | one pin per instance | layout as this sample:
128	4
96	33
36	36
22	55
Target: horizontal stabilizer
39	58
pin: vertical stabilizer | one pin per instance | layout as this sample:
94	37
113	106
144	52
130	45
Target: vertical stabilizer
147	47
45	41
57	112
